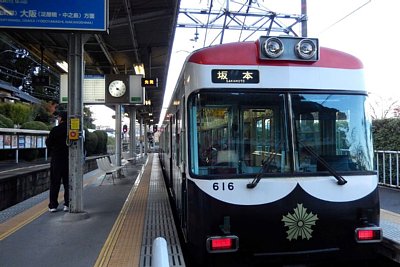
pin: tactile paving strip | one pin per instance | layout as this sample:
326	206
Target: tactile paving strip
159	221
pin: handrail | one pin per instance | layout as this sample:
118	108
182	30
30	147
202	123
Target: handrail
23	131
387	166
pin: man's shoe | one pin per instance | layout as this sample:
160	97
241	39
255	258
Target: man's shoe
53	210
66	208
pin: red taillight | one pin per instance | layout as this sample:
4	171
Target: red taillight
365	234
223	243
369	234
219	244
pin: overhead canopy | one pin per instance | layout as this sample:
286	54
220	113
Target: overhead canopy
140	31
17	94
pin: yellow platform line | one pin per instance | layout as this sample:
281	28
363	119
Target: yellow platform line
15	223
123	245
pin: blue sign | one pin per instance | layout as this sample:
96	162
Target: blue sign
91	15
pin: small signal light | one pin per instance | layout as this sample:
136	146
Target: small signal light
219	244
368	234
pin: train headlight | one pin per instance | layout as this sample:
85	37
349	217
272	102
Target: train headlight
273	47
306	49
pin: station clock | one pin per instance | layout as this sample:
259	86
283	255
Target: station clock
117	88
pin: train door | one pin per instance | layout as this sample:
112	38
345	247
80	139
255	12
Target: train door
177	171
183	147
171	151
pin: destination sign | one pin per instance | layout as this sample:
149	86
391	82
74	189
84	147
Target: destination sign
235	76
149	82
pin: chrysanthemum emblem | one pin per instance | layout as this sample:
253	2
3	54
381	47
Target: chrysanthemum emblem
299	223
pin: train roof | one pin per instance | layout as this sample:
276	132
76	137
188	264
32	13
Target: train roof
239	53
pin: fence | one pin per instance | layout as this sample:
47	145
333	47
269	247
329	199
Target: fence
387	167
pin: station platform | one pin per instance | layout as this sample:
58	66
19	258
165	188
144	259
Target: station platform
117	228
120	222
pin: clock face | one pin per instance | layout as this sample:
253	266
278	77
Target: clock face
117	88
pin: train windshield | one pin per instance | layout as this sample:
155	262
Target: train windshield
279	134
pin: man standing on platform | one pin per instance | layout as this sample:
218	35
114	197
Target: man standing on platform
57	145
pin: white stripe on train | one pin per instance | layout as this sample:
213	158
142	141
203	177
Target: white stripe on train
275	77
234	191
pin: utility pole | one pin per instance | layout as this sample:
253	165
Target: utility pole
304	18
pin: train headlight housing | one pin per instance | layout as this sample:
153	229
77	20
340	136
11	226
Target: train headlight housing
288	48
273	47
306	49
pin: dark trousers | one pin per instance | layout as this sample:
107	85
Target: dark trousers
58	173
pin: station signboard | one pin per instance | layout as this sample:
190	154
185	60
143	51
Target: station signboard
96	89
81	15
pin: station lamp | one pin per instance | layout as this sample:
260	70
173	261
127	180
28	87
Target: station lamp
139	69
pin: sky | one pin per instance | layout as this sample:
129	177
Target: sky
364	28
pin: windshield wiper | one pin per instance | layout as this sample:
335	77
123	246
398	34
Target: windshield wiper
328	167
264	168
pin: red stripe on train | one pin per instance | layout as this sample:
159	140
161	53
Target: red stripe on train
247	53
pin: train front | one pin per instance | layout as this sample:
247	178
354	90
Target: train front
280	154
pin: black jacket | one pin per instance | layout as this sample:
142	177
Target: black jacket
57	141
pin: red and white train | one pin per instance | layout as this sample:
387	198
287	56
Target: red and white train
267	151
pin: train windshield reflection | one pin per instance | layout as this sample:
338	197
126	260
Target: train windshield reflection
234	134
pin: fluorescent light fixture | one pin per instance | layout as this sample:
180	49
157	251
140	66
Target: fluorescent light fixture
139	69
6	11
63	65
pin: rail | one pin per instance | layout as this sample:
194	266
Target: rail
387	167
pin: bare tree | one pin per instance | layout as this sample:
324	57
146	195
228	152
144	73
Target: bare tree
383	107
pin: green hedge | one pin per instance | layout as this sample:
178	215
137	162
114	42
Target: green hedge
35	125
19	113
6	122
386	134
91	141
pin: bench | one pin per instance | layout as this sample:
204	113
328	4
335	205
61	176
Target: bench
124	163
104	165
128	158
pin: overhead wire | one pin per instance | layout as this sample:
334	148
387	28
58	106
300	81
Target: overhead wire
345	17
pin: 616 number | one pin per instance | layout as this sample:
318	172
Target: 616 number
223	186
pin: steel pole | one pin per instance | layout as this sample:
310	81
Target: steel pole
75	114
132	132
118	143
